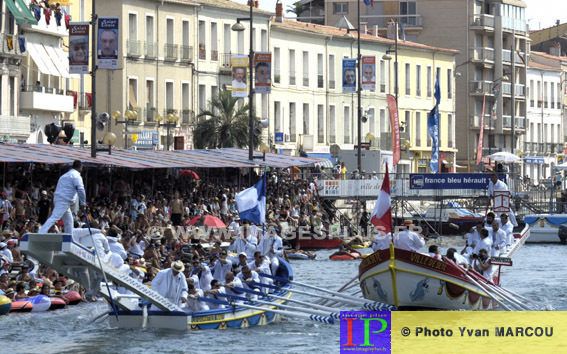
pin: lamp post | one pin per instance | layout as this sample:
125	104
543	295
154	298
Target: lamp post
94	17
170	121
238	27
130	117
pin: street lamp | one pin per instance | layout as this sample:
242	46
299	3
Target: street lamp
170	121
239	27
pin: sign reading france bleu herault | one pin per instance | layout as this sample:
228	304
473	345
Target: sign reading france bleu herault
451	180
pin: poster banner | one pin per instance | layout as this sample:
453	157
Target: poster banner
107	48
79	47
263	71
481	134
349	75
368	73
395	124
239	65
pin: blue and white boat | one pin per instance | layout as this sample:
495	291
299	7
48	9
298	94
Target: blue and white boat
544	228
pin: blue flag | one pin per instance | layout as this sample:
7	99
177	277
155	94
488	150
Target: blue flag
403	33
251	203
433	127
369	3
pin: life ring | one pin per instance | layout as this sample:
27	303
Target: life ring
344	256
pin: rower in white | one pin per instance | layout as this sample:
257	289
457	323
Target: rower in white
171	284
499	239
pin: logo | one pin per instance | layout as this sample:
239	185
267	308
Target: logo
366	331
417	182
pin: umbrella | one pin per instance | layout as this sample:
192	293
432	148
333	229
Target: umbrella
504	157
189	173
208	220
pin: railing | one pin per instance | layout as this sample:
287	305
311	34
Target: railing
506	121
187	116
506	55
134	48
481	87
226	61
518	59
214	55
186	53
413	20
150	113
202	52
506	88
520	90
482	54
293	138
306	81
170	51
331	84
151	50
292	77
520	122
476	120
277	76
332	139
320	81
482	20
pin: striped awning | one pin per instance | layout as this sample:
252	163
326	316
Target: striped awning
219	158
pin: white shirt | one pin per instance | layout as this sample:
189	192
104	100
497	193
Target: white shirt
69	185
8	255
382	242
264	267
269	242
409	241
193	304
248	247
498	239
169	286
116	247
485	243
486	273
498	186
205	278
238	84
508	228
473	238
220	270
237	283
216	297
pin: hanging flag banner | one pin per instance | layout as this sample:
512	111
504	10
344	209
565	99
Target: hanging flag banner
239	65
496	92
481	134
349	75
395	126
79	47
262	73
433	127
368	73
107	49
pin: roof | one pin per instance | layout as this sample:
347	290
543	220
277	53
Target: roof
534	65
219	158
233	5
548	56
339	32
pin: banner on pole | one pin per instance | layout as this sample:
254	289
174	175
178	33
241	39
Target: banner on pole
79	47
239	65
107	55
349	75
395	126
263	71
369	73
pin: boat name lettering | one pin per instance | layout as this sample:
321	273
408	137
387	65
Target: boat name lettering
427	261
82	253
208	318
374	257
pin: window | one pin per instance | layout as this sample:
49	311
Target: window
450	132
185	44
429	82
346	125
170	31
539	94
408	79
558	97
371	121
185	114
545	95
277	117
202	41
306	125
418	80
417	129
264	40
169	95
277	65
320	69
150	37
332	134
202	98
331	71
407	120
384	124
214	42
292	131
306	69
532	94
292	67
340	8
133	97
132	26
227	38
382	76
240	42
408	8
150	104
320	124
449	83
552	98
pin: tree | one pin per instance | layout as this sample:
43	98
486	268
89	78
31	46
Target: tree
297	8
226	126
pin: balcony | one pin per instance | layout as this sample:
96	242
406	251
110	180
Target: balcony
214	55
14	127
46	99
150	113
53	28
4	47
483	22
133	48
151	50
520	90
476	120
170	50
202	52
226	62
187	116
413	20
186	53
84	101
481	87
507	57
482	54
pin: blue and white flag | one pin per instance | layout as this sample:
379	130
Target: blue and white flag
403	33
251	202
433	127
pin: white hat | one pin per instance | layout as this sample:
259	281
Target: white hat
242	254
2	245
43	193
178	266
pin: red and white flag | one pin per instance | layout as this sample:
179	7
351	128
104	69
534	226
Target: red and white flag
382	213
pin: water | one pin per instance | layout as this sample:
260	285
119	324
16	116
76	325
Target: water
538	273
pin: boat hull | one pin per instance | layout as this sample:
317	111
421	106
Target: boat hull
310	242
544	228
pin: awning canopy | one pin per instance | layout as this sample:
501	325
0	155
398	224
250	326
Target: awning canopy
38	56
49	60
219	158
323	162
25	10
15	12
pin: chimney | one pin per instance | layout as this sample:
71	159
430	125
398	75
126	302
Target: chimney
256	3
279	12
376	30
364	27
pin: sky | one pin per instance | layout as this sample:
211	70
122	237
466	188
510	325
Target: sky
539	13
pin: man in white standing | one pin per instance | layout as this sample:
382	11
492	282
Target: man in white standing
69	186
171	284
271	246
409	240
496	185
498	239
246	243
508	228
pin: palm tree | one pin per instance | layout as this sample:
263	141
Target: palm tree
297	8
226	126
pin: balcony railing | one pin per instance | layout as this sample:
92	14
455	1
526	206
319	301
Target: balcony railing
481	87
134	48
331	84
186	53
292	78
277	76
506	55
170	51
320	81
187	116
150	113
202	52
482	21
151	50
226	61
305	80
482	54
476	120
214	55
